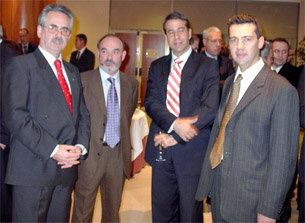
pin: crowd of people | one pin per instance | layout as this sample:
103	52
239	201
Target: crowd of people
225	124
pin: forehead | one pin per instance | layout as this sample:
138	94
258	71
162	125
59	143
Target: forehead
214	35
58	18
279	45
22	32
246	29
175	24
111	42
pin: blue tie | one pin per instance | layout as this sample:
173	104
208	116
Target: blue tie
112	133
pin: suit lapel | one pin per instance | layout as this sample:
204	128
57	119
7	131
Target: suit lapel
225	95
255	89
124	93
164	75
97	91
52	83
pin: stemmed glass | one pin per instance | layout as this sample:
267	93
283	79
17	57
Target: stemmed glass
160	154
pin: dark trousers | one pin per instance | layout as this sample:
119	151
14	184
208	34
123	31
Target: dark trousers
301	200
6	190
173	194
41	204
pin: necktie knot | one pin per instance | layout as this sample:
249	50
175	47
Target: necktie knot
57	64
178	61
111	80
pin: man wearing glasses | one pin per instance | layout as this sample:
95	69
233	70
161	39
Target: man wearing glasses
253	148
212	40
44	109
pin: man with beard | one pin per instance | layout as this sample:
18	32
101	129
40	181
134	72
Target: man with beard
111	97
49	123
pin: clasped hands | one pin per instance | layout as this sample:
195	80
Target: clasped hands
67	156
183	127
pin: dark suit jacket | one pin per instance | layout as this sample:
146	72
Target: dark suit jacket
95	101
260	149
291	73
38	117
199	93
85	62
32	47
301	90
5	54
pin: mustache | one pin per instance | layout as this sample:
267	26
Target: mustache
58	39
109	61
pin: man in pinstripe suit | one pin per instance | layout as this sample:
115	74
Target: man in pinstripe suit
260	146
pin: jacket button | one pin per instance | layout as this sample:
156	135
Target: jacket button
98	154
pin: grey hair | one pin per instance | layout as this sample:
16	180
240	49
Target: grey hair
266	49
55	8
205	33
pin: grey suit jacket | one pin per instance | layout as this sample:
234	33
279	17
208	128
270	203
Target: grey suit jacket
260	149
95	101
38	117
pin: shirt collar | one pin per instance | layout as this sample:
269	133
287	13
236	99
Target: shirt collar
252	71
277	69
49	57
184	56
105	76
82	50
209	55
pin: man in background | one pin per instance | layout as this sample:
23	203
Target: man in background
281	65
82	58
111	97
49	123
25	46
212	40
194	41
6	192
253	148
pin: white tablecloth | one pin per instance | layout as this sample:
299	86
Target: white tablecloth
138	130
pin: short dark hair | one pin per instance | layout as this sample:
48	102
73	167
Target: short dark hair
111	35
55	8
279	39
245	18
176	15
82	36
25	29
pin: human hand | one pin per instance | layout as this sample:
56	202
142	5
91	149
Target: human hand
185	129
67	155
165	140
2	146
263	219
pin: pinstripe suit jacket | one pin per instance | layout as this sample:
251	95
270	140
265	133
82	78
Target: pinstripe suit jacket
260	149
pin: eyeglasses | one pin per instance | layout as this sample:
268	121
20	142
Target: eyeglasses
245	40
214	41
54	29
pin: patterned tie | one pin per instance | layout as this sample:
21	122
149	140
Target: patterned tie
112	132
78	55
217	151
63	84
173	89
25	49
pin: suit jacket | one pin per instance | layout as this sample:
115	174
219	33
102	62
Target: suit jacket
291	73
31	48
95	101
260	149
5	54
301	90
85	62
38	117
199	93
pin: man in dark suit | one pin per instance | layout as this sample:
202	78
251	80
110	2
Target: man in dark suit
182	100
49	123
82	58
212	40
252	152
108	164
6	195
301	183
281	65
25	46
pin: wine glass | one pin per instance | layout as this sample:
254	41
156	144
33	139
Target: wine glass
160	154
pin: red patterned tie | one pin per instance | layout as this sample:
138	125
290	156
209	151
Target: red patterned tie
63	84
173	89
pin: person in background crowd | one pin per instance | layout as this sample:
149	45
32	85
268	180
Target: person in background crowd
194	42
25	46
247	178
49	123
266	53
82	58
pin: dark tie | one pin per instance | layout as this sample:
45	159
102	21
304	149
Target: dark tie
25	49
63	84
78	55
112	132
217	151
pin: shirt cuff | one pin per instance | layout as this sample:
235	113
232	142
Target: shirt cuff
171	128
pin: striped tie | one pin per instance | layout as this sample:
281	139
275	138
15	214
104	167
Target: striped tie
173	89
